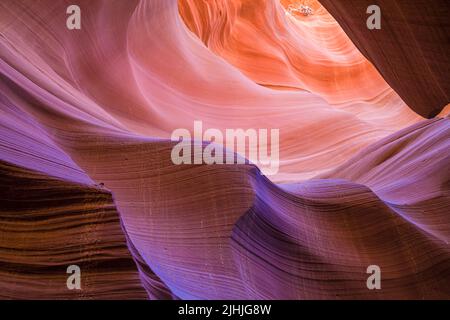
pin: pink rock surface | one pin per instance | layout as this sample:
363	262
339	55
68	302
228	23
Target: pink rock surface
363	179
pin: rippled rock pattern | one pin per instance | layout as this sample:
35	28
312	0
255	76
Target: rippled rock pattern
87	179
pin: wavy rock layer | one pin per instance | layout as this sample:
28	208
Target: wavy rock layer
411	51
141	70
237	235
289	52
47	225
88	114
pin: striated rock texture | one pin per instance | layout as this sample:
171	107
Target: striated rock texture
411	51
87	177
47	225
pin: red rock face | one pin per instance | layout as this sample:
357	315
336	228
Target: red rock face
411	50
48	224
87	175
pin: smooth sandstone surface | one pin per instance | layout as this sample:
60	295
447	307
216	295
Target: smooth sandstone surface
87	177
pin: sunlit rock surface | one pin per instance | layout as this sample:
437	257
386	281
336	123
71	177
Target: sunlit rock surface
88	179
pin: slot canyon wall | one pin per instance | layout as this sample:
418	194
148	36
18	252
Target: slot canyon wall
87	178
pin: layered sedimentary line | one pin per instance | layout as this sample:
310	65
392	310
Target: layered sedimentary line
408	171
47	225
312	239
310	53
146	73
53	216
309	240
410	50
206	232
198	227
